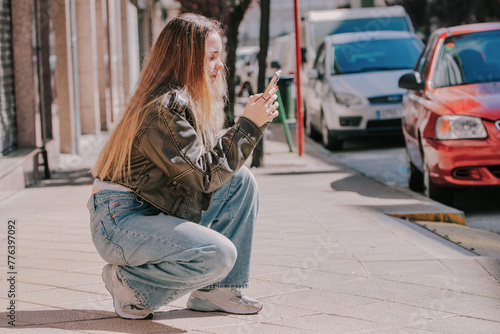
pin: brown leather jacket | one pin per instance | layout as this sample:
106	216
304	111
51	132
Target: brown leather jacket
168	166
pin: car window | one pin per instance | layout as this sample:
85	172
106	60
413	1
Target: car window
468	58
375	55
325	28
425	58
319	63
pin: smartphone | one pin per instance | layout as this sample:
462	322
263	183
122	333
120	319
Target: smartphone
273	81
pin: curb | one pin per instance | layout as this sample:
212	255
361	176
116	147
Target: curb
443	213
438	217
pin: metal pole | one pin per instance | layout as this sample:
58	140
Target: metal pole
41	92
298	65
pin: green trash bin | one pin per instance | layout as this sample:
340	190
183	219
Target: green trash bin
285	88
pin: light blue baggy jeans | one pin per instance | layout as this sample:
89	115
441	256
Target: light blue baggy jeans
161	257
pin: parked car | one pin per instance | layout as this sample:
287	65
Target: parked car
451	114
319	23
281	55
247	66
353	85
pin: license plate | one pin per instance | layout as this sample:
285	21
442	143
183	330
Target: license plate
388	113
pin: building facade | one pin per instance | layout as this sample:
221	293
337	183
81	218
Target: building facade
67	69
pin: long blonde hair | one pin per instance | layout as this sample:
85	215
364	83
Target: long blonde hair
176	62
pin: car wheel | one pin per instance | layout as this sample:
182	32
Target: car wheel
329	141
308	127
415	176
435	192
246	90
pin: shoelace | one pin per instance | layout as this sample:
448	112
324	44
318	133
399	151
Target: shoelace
237	292
136	304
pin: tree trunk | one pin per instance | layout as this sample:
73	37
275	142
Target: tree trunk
265	12
233	24
232	44
231	15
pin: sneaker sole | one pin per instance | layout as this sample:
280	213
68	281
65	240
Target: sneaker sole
106	278
208	306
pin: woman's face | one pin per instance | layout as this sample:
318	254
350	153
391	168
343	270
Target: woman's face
213	51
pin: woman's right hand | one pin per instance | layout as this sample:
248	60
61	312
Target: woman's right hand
261	108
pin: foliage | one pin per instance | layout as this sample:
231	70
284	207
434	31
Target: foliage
455	12
230	13
445	13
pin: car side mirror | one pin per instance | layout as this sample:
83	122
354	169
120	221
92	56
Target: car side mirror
411	81
313	74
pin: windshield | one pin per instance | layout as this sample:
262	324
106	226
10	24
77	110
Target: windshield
469	58
322	29
375	55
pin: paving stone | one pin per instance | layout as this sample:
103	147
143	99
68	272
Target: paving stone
378	288
449	301
53	316
477	285
319	300
393	314
309	278
404	268
256	328
57	296
325	323
326	259
491	313
464	325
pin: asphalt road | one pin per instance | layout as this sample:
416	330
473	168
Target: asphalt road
384	160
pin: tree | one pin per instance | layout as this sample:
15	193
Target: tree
458	12
450	12
230	13
265	12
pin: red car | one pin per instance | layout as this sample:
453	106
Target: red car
451	113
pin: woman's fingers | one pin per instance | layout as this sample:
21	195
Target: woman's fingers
261	110
271	92
271	100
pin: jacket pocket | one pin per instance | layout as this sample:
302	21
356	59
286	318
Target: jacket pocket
141	183
176	205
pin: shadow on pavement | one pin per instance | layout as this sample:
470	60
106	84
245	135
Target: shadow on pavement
77	177
366	187
90	320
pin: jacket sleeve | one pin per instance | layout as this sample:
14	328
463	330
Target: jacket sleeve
171	143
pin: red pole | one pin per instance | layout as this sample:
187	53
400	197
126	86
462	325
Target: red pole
298	66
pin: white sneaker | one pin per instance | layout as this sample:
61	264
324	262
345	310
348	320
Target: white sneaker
222	299
126	303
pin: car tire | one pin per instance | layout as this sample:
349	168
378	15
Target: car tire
246	90
331	142
415	176
440	194
309	128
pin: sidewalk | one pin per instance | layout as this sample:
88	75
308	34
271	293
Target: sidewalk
327	259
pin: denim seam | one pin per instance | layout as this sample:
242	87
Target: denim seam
227	286
183	248
110	242
107	195
113	220
176	292
135	291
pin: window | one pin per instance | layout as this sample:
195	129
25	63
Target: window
469	58
375	55
321	29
